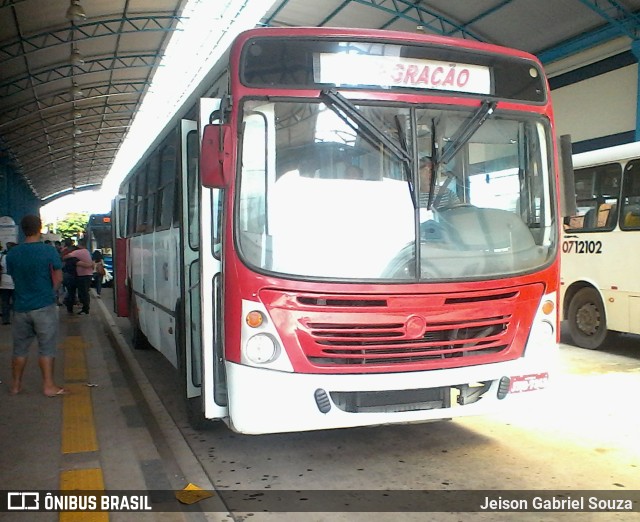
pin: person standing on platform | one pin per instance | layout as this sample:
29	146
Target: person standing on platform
84	274
98	270
6	286
36	270
68	275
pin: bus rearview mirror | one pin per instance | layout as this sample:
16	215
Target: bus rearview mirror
215	155
567	183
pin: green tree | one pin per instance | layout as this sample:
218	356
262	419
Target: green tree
72	224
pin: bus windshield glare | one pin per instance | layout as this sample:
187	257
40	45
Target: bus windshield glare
320	198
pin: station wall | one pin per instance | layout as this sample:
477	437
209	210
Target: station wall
601	106
16	197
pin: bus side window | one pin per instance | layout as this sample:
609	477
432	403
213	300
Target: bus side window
631	197
165	197
131	207
141	198
193	194
632	218
217	214
153	182
597	196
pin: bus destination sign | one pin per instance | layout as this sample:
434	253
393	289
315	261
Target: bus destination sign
395	71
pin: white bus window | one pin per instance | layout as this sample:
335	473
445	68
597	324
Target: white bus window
140	198
193	194
253	182
165	199
597	195
153	174
122	217
216	214
630	219
131	207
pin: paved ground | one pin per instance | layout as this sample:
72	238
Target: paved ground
582	436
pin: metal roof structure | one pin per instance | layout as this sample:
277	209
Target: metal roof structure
73	73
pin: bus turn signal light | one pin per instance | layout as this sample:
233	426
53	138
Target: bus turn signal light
548	307
254	319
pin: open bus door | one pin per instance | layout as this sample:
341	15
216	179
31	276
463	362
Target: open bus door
195	356
212	199
119	243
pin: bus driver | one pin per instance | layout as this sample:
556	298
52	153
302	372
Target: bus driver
443	197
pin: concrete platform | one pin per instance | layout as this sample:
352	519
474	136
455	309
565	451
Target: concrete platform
111	433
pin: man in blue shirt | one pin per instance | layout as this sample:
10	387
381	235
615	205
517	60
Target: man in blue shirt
36	269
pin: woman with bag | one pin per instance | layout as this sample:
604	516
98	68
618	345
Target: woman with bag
98	270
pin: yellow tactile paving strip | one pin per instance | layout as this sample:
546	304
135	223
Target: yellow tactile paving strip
75	366
78	429
82	480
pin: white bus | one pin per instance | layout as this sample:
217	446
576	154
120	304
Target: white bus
600	278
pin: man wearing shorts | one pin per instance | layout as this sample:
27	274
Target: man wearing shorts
36	269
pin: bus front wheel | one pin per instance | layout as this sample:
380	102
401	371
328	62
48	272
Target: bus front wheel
587	319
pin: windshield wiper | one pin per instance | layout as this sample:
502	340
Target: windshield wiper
408	171
352	116
466	130
434	151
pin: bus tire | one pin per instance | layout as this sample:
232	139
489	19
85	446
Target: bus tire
587	319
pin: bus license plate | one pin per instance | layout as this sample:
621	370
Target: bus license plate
524	383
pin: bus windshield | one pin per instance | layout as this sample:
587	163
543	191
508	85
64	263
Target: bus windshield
320	198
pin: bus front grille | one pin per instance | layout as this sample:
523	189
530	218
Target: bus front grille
359	333
357	344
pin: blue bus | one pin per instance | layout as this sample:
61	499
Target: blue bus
98	236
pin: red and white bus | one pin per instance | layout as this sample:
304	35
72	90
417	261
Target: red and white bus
284	252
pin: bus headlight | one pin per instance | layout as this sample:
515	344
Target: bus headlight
542	333
261	349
